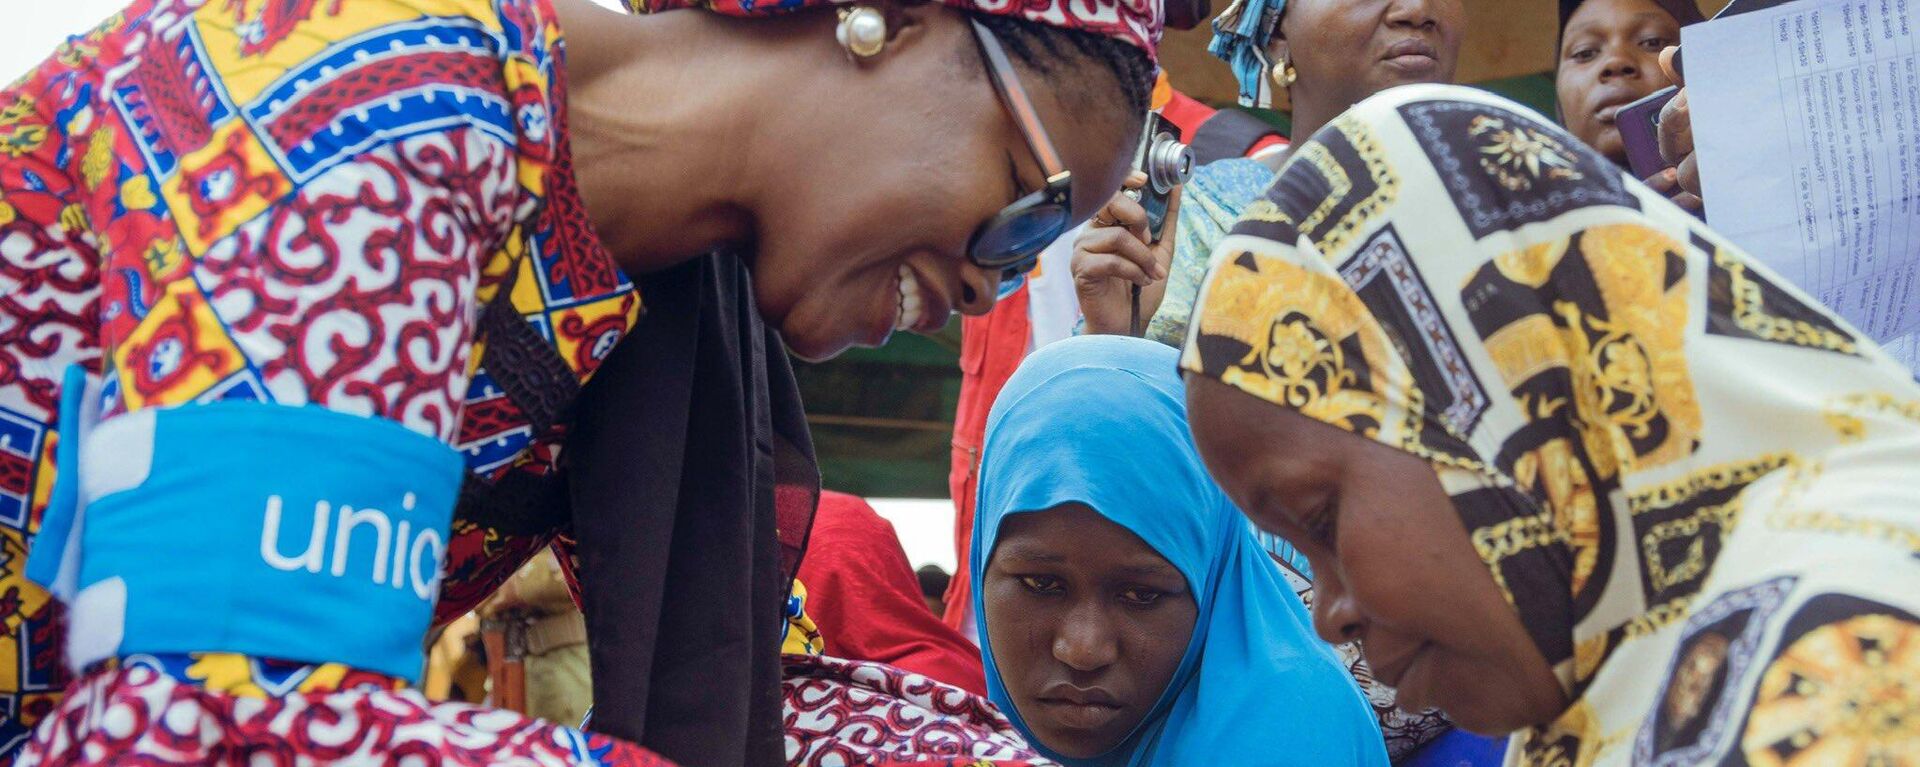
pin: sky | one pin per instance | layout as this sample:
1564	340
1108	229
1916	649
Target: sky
33	30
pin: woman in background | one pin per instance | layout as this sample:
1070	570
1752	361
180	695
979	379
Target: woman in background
1660	501
1609	57
1127	615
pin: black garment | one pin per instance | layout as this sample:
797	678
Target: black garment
1229	133
692	486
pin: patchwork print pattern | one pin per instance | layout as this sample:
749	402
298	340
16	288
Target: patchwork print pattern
307	203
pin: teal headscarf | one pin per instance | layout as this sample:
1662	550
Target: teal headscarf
1240	35
1102	421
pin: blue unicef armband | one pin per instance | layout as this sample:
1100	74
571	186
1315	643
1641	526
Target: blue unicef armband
296	533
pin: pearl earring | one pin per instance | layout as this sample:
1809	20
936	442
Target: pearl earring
862	31
1284	74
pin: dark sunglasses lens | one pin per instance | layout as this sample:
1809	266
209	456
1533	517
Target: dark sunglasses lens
1013	239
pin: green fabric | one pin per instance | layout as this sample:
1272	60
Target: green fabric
882	419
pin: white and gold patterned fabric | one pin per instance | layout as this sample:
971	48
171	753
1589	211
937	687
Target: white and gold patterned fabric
1699	489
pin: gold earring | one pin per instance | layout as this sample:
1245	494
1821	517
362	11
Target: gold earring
862	31
1284	74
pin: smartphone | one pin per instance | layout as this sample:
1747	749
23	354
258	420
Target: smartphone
1639	125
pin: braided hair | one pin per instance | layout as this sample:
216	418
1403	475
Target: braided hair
1045	49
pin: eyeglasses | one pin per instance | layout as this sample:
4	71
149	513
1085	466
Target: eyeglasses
1011	241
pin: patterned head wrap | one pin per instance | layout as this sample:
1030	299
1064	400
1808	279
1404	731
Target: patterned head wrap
1138	22
1692	482
1240	37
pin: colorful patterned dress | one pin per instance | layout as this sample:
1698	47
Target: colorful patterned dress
836	711
367	212
849	712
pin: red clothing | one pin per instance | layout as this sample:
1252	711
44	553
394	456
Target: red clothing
991	347
864	597
1186	112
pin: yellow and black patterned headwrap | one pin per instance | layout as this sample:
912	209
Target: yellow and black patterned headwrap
1624	408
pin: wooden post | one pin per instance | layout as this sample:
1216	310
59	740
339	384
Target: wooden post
505	637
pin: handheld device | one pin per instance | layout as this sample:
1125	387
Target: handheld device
1639	125
1167	163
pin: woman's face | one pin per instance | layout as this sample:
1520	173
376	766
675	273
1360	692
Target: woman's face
898	160
1087	624
1392	564
1610	57
1346	50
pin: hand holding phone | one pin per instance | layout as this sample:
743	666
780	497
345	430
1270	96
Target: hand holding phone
1112	257
1167	164
1676	132
1657	131
1639	126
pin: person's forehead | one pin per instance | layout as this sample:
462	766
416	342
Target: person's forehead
1101	161
1081	107
1310	7
1216	413
1600	16
1075	535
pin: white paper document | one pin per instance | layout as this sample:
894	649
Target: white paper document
1806	118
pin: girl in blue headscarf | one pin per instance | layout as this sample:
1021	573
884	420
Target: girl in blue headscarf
1126	613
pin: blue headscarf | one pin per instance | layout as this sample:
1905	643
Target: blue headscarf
1102	420
1240	35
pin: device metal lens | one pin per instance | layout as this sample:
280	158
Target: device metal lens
1169	163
